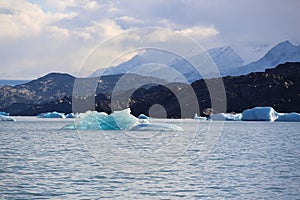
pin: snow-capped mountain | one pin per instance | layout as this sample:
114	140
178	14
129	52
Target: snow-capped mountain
173	68
279	54
164	65
225	58
134	65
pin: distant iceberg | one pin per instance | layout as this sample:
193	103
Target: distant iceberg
260	114
142	116
72	115
119	120
257	114
51	115
199	117
226	117
288	117
4	113
6	118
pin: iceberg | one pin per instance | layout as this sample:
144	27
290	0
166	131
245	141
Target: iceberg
4	113
119	120
72	115
142	116
199	117
288	117
226	117
6	118
92	120
260	114
51	115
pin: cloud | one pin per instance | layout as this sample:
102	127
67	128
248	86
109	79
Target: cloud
41	36
23	19
129	19
200	31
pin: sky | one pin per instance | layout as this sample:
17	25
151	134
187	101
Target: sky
38	37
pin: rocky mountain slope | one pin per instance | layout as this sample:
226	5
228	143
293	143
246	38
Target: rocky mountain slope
278	87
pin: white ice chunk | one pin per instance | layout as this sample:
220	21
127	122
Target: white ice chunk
260	114
288	117
199	117
226	117
6	118
51	115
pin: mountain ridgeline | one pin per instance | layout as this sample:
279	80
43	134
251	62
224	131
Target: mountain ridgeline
277	87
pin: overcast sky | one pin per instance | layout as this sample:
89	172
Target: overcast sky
56	35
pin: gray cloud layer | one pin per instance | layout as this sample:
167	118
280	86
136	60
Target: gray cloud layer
37	38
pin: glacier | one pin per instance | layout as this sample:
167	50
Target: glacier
51	115
118	120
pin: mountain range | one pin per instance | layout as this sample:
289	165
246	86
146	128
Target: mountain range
228	62
277	87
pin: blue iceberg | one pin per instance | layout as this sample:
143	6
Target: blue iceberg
51	115
72	115
226	117
260	114
92	120
142	116
4	113
119	120
6	118
288	117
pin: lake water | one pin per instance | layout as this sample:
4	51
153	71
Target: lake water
247	160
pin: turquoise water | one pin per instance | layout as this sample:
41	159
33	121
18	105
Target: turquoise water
252	160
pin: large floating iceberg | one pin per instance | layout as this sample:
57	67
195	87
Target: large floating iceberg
119	120
51	115
260	114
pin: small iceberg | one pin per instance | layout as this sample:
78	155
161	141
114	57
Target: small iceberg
288	117
119	120
51	115
226	117
142	116
72	115
199	117
4	113
260	114
6	118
